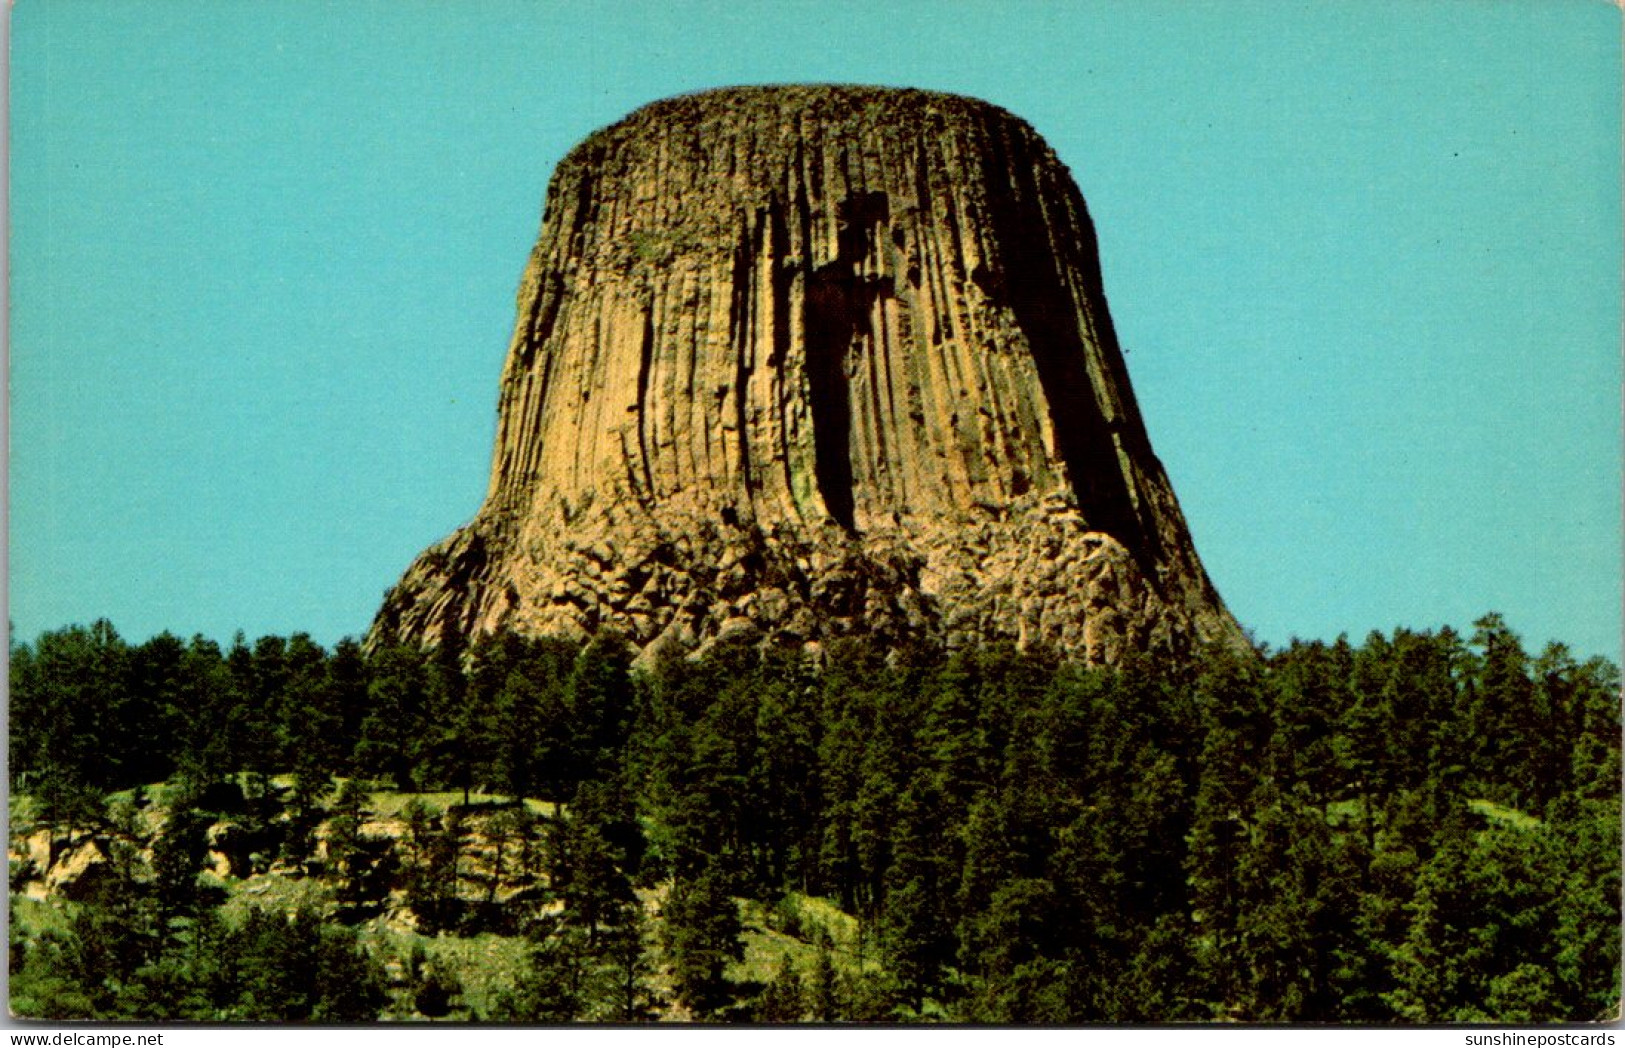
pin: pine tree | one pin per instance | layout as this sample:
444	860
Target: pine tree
177	859
627	971
702	937
393	730
555	985
783	1000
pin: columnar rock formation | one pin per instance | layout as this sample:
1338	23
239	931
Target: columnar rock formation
801	362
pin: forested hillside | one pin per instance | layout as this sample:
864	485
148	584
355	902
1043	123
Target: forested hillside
1421	828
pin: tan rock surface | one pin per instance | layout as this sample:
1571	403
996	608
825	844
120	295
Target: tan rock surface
80	862
813	361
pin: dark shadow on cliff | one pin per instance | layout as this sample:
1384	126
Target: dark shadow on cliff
839	311
1029	281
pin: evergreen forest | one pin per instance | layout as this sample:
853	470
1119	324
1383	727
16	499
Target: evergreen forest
1420	828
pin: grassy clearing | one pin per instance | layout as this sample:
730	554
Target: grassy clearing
823	915
20	810
1502	814
487	966
1346	813
766	949
388	804
35	917
794	928
1349	814
275	893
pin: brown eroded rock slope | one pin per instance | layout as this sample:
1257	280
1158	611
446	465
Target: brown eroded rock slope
813	361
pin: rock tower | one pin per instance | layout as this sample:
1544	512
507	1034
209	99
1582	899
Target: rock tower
801	362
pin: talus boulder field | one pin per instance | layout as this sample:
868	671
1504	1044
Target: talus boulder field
812	361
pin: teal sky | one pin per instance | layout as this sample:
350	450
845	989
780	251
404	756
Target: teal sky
1364	257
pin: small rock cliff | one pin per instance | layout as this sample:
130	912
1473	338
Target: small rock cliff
800	362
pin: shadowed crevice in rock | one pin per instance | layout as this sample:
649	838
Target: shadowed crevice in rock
839	304
833	320
738	310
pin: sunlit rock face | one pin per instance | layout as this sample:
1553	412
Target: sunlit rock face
804	362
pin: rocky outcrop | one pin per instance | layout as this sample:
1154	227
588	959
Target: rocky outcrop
801	362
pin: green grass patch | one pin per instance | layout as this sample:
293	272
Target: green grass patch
794	928
1345	813
486	966
1350	814
35	917
766	949
21	811
1502	814
153	791
276	893
819	916
388	804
